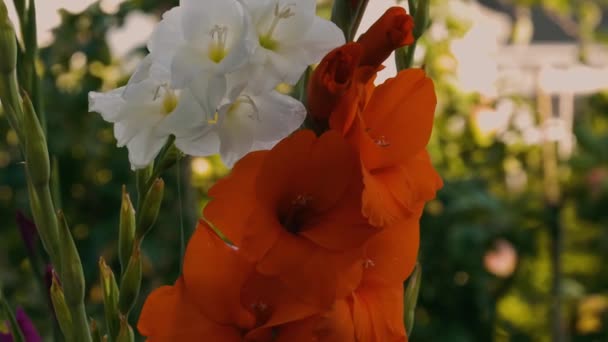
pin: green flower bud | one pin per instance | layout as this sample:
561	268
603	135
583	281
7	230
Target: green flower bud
170	156
71	268
131	282
421	17
8	42
411	298
126	332
36	151
110	298
62	312
126	231
150	208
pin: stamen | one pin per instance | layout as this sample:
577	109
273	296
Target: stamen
217	47
382	142
368	263
286	12
214	120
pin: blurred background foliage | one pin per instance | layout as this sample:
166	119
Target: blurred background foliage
487	240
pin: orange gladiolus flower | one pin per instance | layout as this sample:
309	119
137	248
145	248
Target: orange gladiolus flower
299	214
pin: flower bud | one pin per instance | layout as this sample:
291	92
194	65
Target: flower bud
36	151
110	298
71	268
126	233
392	31
126	332
150	208
421	18
169	158
331	79
411	298
8	42
131	282
64	318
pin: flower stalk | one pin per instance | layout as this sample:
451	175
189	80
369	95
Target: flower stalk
404	57
347	14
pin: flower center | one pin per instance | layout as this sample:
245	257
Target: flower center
243	106
217	46
169	99
292	220
280	13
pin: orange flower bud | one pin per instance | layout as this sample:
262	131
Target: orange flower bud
393	30
331	79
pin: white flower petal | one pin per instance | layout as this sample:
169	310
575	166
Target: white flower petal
188	117
201	144
236	139
107	104
209	90
278	116
144	147
186	64
167	37
322	37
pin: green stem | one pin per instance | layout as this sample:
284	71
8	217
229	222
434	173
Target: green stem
80	323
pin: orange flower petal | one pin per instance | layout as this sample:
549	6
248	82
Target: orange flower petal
234	191
393	193
336	325
214	273
272	303
398	119
378	312
169	315
321	168
378	205
343	227
391	254
314	275
392	31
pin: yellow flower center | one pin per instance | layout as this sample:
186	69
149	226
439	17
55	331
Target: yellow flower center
217	46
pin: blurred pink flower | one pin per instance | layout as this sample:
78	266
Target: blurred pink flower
502	259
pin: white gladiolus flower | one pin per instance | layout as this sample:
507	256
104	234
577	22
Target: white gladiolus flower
137	111
291	37
200	42
210	75
248	124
